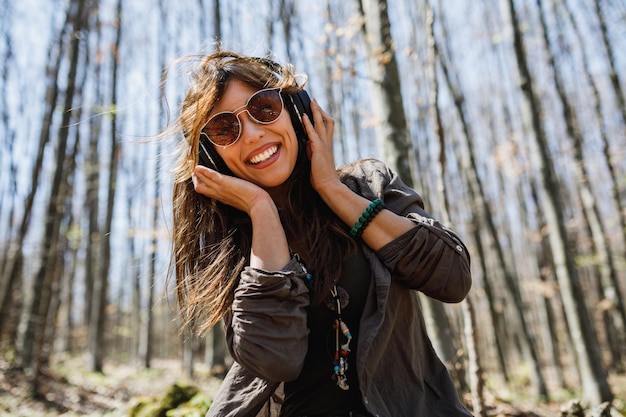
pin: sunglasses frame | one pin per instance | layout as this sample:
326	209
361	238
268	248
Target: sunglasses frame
243	109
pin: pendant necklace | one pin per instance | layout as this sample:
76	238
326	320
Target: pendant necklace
337	300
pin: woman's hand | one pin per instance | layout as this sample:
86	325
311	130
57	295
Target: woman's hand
270	250
344	202
233	191
320	149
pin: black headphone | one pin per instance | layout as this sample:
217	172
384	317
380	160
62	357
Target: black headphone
297	104
300	105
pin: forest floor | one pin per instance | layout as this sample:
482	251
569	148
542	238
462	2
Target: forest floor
70	391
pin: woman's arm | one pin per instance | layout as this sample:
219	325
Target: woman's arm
343	201
385	227
267	331
428	256
270	249
419	251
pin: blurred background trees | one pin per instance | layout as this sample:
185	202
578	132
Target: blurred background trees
509	117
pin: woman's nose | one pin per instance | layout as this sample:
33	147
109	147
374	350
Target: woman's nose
250	129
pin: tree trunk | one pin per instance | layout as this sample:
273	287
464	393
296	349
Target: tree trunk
7	153
97	319
189	342
43	280
217	18
218	350
615	296
287	11
393	134
146	352
391	126
475	370
93	167
63	343
62	248
594	378
437	320
13	268
615	72
480	206
606	148
135	278
599	234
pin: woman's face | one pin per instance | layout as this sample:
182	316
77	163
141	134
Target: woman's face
264	154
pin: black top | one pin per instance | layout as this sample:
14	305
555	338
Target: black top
315	392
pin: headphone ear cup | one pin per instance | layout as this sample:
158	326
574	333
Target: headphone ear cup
209	157
300	105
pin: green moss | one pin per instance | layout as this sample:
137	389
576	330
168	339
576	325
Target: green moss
179	400
177	395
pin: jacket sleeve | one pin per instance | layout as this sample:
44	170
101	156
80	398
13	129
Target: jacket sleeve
430	257
268	333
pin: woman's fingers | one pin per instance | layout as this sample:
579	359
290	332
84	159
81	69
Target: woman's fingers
235	192
323	171
209	183
324	123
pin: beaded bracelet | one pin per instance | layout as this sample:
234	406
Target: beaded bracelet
370	212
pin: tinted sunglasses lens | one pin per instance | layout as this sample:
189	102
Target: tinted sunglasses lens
265	106
223	129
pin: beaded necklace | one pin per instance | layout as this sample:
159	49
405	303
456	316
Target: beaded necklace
343	337
340	360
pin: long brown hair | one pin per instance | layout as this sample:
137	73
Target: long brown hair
212	241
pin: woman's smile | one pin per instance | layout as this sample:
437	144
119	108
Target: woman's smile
264	155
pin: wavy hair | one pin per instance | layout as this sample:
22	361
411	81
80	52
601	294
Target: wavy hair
211	240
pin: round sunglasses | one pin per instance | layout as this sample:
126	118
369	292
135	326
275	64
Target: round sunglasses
264	107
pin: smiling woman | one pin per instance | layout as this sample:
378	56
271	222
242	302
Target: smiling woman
314	269
264	151
263	107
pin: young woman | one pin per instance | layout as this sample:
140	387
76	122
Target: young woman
313	269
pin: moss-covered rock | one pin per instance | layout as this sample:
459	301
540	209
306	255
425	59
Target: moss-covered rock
197	406
177	395
185	400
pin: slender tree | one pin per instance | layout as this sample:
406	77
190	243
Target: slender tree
6	155
593	374
615	316
438	314
93	168
391	127
13	267
62	248
614	74
8	200
485	217
617	297
97	315
217	342
38	308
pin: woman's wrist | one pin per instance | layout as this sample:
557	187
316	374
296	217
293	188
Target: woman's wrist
263	209
332	190
270	250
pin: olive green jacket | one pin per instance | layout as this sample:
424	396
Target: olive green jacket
399	372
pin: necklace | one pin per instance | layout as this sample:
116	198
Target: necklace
343	337
342	333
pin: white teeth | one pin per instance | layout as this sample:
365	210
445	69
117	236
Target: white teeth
264	156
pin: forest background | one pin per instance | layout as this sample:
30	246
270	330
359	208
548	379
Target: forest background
508	116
